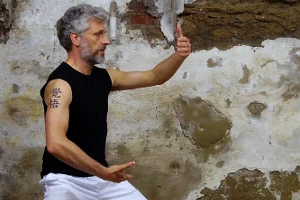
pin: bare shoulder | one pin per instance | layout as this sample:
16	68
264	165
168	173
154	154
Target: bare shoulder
114	75
58	91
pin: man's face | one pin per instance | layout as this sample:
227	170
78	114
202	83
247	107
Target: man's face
93	43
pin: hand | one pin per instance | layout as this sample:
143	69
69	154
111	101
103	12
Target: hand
116	173
183	43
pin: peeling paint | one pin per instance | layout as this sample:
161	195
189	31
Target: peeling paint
246	76
6	18
201	122
252	184
284	183
243	184
224	24
228	103
256	108
214	62
295	57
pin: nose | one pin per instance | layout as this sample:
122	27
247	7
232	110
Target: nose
106	41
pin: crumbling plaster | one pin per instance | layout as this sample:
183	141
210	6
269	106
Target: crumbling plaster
152	125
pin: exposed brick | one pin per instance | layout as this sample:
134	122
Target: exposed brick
143	19
135	6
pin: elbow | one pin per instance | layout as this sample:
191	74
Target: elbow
53	148
157	80
160	82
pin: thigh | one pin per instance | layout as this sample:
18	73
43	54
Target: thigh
64	187
118	191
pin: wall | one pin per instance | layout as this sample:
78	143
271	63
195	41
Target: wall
225	126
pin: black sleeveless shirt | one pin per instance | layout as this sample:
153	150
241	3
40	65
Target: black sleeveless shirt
87	116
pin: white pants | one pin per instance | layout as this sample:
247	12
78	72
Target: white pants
65	187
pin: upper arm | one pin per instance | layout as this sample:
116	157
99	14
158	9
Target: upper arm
130	80
57	96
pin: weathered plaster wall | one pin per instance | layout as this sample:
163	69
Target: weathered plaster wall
225	126
6	10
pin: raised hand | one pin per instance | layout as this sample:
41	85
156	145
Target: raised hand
183	43
116	173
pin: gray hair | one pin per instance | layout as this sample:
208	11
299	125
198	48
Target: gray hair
76	20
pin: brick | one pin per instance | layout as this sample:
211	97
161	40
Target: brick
145	19
137	7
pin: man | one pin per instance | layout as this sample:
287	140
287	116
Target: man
75	99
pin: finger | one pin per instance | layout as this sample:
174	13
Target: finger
120	168
179	31
183	45
129	176
123	177
184	49
183	40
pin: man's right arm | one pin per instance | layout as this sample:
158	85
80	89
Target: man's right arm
58	96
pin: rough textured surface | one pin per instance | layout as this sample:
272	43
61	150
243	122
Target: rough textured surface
143	16
6	12
225	23
256	108
252	184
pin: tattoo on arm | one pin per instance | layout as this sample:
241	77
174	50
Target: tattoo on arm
54	100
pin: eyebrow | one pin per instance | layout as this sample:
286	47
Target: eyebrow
100	31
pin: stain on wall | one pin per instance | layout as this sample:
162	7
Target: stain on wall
1	152
23	109
20	67
21	181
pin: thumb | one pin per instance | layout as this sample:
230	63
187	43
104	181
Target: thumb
178	31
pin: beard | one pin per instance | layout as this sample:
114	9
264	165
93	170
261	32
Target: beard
90	56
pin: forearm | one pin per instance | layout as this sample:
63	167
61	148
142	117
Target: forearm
69	153
167	68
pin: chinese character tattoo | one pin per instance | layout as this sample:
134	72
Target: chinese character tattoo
54	103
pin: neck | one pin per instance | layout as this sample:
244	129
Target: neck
77	63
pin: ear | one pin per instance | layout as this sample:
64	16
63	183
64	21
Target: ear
75	38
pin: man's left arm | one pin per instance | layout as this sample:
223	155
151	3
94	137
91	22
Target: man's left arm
159	74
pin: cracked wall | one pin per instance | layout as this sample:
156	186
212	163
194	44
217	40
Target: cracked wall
224	127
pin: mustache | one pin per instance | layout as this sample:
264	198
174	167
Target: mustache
102	48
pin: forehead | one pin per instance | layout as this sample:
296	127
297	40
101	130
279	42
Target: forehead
95	25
